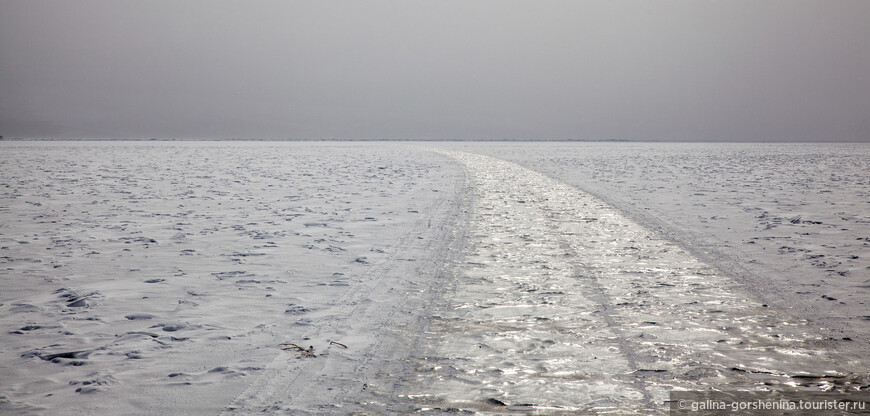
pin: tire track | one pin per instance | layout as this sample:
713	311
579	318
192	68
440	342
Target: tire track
380	320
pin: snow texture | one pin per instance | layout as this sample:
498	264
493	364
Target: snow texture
375	278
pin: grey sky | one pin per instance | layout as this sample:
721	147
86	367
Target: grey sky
624	69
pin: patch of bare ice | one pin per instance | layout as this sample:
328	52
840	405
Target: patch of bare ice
564	305
790	221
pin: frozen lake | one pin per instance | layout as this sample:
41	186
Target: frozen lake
164	277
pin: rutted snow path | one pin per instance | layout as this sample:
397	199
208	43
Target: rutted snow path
379	322
562	304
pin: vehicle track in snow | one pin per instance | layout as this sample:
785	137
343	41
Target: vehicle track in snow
379	320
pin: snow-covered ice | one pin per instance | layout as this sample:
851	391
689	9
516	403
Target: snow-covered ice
160	278
551	278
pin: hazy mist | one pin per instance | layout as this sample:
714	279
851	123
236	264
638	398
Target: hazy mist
626	69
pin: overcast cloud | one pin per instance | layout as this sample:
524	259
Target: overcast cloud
484	69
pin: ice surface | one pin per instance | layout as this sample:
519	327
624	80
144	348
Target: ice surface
163	278
563	304
789	221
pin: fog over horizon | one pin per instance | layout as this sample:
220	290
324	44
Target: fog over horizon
738	70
